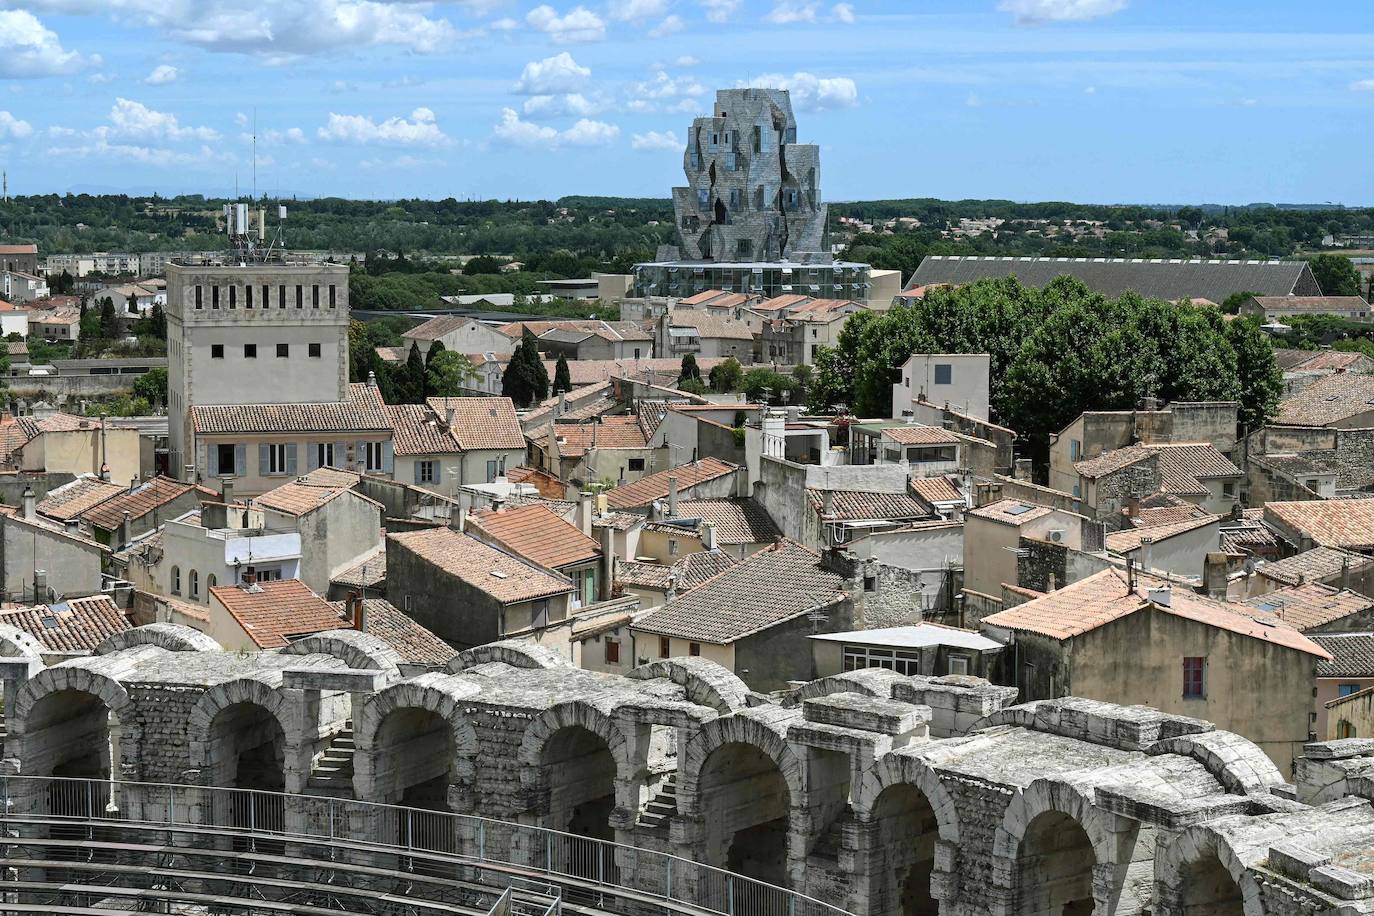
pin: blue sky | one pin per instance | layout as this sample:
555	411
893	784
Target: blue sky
1227	101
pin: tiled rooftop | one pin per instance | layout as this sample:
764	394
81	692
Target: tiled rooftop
690	571
1317	563
300	497
1129	539
363	411
916	434
481	423
1011	512
537	534
416	430
1112	461
736	520
506	578
138	502
77	625
71	499
644	491
416	644
604	432
1345	523
274	612
1352	654
1328	400
937	490
857	505
1311	605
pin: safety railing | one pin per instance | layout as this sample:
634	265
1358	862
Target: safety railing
589	871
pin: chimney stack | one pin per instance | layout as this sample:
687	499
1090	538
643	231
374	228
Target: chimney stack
584	512
708	536
448	416
105	472
371	379
248	579
28	502
827	502
672	496
226	489
124	530
359	612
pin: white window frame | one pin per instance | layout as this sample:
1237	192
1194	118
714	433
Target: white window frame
324	454
276	458
427	471
372	460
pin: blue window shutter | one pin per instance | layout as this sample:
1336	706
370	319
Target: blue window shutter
240	460
388	458
312	456
341	454
416	466
291	458
264	460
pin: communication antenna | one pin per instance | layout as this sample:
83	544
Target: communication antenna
255	153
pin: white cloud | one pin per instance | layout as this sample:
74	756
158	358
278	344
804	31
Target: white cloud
653	140
636	10
579	25
686	60
842	12
241	119
134	119
663	88
13	127
100	79
585	132
811	92
669	26
161	75
1035	12
32	49
420	130
101	148
720	10
557	106
505	24
553	75
1363	85
785	12
290	135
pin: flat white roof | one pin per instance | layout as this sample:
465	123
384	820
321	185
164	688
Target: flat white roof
917	636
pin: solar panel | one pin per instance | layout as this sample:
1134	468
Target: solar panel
1019	510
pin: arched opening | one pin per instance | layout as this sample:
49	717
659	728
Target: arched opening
905	831
413	758
67	735
1208	888
247	751
581	778
744	807
1054	868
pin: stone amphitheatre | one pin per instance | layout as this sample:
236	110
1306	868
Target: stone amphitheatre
871	792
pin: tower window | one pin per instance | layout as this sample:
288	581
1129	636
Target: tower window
281	296
315	296
199	302
283	350
250	351
214	297
300	296
315	349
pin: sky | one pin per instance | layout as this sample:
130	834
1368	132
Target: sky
1108	101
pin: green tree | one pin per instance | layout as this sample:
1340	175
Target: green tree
692	385
109	321
448	374
152	386
725	375
155	324
689	370
761	385
62	285
408	379
435	348
562	376
1336	275
482	264
1261	380
1233	302
525	381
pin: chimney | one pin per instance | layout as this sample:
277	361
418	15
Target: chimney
827	502
248	579
359	610
1162	596
708	536
562	404
73	526
458	515
124	527
40	586
133	481
1023	469
584	512
1131	507
371	379
28	502
226	489
672	496
105	472
448	416
607	561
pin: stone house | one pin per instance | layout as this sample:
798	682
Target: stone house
1274	308
1178	547
22	257
960	382
600	448
1346	524
55	324
485	431
535	533
141	508
993	533
61	443
585	340
43	558
915	572
681	332
794	327
706	478
736	525
1340	401
267	615
836	518
655	581
457	334
1125	638
1327	565
469	593
337	526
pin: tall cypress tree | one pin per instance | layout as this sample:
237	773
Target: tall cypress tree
562	378
410	388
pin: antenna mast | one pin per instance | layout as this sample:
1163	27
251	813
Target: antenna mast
255	154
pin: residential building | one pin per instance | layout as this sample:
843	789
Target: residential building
265	615
21	257
60	443
604	448
1274	308
62	323
927	649
134	300
265	335
1178	547
993	533
930	451
1169	279
836	518
17	286
457	333
1344	400
1123	638
1316	608
69	629
69	501
589	339
1342	523
681	332
1287	463
535	533
657	581
1328	565
702	479
469	593
418	649
1351	716
262	445
548	485
740	526
14	319
140	508
958	382
461	441
337	526
1344	686
795	327
755	618
215	545
46	560
913	573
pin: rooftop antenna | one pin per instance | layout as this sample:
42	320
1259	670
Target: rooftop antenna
255	153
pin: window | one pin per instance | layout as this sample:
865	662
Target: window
903	661
694	648
314	350
790	198
250	351
214	297
1344	730
1194	677
176	580
248	297
195	584
703	198
281	296
1228	488
636	352
665	647
199	301
758	197
332	296
672	547
636	464
233	297
300	296
211	581
217	351
734	198
744	247
958	664
276	459
815	332
315	296
1311	485
324	454
944	373
870	583
1345	690
492	469
372	456
224	459
539	613
758	139
1075	449
283	351
266	297
424	472
612	651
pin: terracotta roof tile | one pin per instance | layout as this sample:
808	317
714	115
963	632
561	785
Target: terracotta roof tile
1311	605
362	411
1103	598
854	505
416	430
1184	466
687	572
1315	564
370	572
415	644
736	520
71	499
711	326
537	534
1352	654
273	612
1328	400
782	582
506	578
937	489
1345	523
1131	538
1112	461
549	486
644	491
608	432
606	330
147	497
77	625
435	328
916	434
300	497
1010	511
481	423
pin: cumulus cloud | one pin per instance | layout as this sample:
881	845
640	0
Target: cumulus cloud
785	12
811	92
517	132
552	75
636	10
720	10
161	75
504	24
32	49
13	128
1363	85
101	148
653	140
420	130
671	25
1035	12
579	25
136	120
686	60
842	12
558	106
664	88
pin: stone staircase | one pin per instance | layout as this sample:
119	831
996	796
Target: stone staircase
332	774
662	806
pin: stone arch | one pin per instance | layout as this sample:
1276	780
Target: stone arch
897	768
16	643
71	675
511	652
170	636
438	695
706	683
355	649
254	692
1235	761
1020	716
1044	800
574	766
1180	865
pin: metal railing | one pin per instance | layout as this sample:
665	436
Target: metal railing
592	872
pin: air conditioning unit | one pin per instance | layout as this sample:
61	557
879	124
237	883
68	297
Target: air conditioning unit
1057	535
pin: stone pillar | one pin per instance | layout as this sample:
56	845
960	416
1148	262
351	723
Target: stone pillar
944	877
